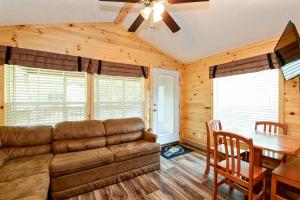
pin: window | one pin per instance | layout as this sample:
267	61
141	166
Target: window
40	96
118	97
241	100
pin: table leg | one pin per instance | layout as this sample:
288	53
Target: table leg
257	162
258	157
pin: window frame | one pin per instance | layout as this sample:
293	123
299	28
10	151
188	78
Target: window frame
2	97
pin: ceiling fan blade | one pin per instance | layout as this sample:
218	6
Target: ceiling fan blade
168	19
127	1
135	25
184	1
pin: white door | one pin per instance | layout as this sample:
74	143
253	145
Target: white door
166	105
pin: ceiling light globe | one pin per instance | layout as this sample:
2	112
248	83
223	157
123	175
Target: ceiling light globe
146	12
156	18
158	8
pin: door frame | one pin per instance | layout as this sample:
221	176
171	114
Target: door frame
176	75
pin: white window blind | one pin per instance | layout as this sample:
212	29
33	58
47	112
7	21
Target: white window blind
291	70
241	100
118	97
40	96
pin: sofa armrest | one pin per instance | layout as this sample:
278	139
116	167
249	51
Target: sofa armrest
3	157
149	136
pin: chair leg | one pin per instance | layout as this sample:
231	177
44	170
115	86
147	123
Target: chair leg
284	158
245	156
273	187
207	163
264	188
250	193
215	189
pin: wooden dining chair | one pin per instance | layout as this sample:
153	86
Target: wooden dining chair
212	126
286	180
272	128
237	173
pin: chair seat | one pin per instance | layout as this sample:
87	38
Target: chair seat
289	169
134	149
257	171
221	149
273	155
67	163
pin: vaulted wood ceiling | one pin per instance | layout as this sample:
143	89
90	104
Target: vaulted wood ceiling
207	29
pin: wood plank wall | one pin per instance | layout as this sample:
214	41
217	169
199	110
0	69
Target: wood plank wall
197	93
103	41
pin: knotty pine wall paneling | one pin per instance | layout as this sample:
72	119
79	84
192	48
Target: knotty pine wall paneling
101	41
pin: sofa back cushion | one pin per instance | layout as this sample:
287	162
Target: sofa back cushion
123	130
18	141
78	136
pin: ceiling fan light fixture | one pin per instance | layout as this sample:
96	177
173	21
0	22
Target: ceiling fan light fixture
146	12
158	10
156	17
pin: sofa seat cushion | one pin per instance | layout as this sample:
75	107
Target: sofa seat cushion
30	187
24	167
134	149
69	181
67	163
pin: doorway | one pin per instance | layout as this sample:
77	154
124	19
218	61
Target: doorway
166	105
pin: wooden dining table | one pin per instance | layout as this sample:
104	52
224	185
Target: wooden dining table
283	144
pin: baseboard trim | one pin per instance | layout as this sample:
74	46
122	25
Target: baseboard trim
171	143
194	144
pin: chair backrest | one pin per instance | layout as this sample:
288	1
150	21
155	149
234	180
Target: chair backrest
273	128
232	145
211	126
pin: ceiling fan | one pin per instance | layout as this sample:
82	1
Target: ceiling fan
156	10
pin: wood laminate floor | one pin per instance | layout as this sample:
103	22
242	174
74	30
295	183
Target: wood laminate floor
180	178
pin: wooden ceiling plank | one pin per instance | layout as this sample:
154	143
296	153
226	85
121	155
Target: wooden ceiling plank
63	25
123	13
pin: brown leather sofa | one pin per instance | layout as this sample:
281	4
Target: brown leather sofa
94	154
25	156
87	155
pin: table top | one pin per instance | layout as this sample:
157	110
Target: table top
283	144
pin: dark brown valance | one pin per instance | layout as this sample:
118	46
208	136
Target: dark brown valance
47	60
89	65
248	65
119	69
2	54
289	53
41	59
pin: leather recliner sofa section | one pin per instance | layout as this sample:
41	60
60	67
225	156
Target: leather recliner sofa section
74	157
25	156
